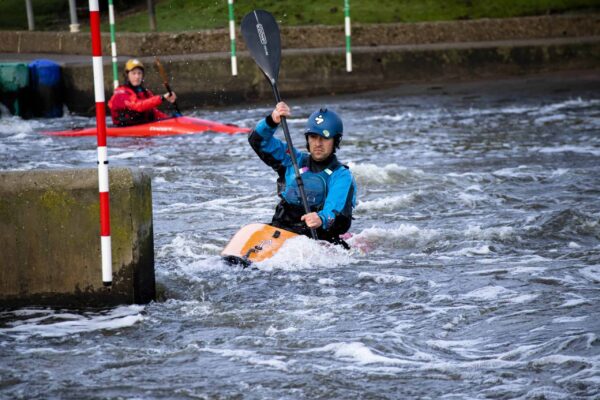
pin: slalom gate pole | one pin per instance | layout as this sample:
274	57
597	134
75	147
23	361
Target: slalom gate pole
347	29
30	18
105	241
232	38
74	25
113	43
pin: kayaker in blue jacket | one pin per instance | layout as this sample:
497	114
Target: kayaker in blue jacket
329	186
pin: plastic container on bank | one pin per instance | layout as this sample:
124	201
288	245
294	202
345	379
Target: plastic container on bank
14	85
46	89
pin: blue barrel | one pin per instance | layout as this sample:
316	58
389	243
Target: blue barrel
46	86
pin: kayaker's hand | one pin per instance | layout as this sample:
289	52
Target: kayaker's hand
170	97
281	110
312	220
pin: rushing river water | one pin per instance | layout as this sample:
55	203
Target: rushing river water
474	273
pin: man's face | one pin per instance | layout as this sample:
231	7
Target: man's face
320	148
135	76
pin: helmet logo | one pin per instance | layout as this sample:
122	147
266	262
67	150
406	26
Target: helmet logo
319	120
325	133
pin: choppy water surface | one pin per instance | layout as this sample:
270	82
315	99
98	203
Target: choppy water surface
475	270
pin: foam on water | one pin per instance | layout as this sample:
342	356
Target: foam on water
301	253
520	172
251	357
388	203
576	301
181	246
356	352
382	278
12	126
548	119
489	293
257	208
492	233
403	236
58	324
272	331
471	251
455	344
567	104
472	200
595	151
569	320
393	118
366	173
408	236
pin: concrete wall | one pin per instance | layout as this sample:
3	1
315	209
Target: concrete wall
217	40
202	80
50	238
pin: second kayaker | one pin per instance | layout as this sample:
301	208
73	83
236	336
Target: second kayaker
132	103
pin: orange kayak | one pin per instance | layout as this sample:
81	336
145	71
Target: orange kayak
165	127
255	242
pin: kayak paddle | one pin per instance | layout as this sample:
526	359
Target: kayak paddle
165	78
261	34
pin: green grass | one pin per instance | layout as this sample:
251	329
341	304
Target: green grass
13	15
185	15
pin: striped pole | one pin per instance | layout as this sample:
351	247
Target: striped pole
347	23
105	242
113	44
232	38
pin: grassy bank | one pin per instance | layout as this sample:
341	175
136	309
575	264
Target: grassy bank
183	15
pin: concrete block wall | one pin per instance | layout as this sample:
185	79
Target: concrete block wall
205	80
50	238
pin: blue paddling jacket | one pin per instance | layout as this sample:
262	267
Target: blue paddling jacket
329	186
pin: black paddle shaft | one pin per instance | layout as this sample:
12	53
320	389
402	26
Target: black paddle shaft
168	87
299	182
261	34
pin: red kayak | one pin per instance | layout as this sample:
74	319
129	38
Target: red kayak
165	127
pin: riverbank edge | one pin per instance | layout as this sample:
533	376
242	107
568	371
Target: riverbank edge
204	80
314	62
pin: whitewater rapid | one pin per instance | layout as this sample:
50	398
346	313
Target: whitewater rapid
473	273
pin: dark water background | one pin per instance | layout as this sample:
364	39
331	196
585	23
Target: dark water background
474	275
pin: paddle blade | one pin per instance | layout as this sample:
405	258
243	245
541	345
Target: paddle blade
162	73
261	34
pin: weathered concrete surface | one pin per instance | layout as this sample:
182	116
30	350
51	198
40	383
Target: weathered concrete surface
321	36
205	79
50	238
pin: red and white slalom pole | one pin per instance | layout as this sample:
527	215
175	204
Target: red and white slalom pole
105	242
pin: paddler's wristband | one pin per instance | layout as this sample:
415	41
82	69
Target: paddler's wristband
270	121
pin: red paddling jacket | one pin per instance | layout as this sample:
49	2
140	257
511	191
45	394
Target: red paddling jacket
131	105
